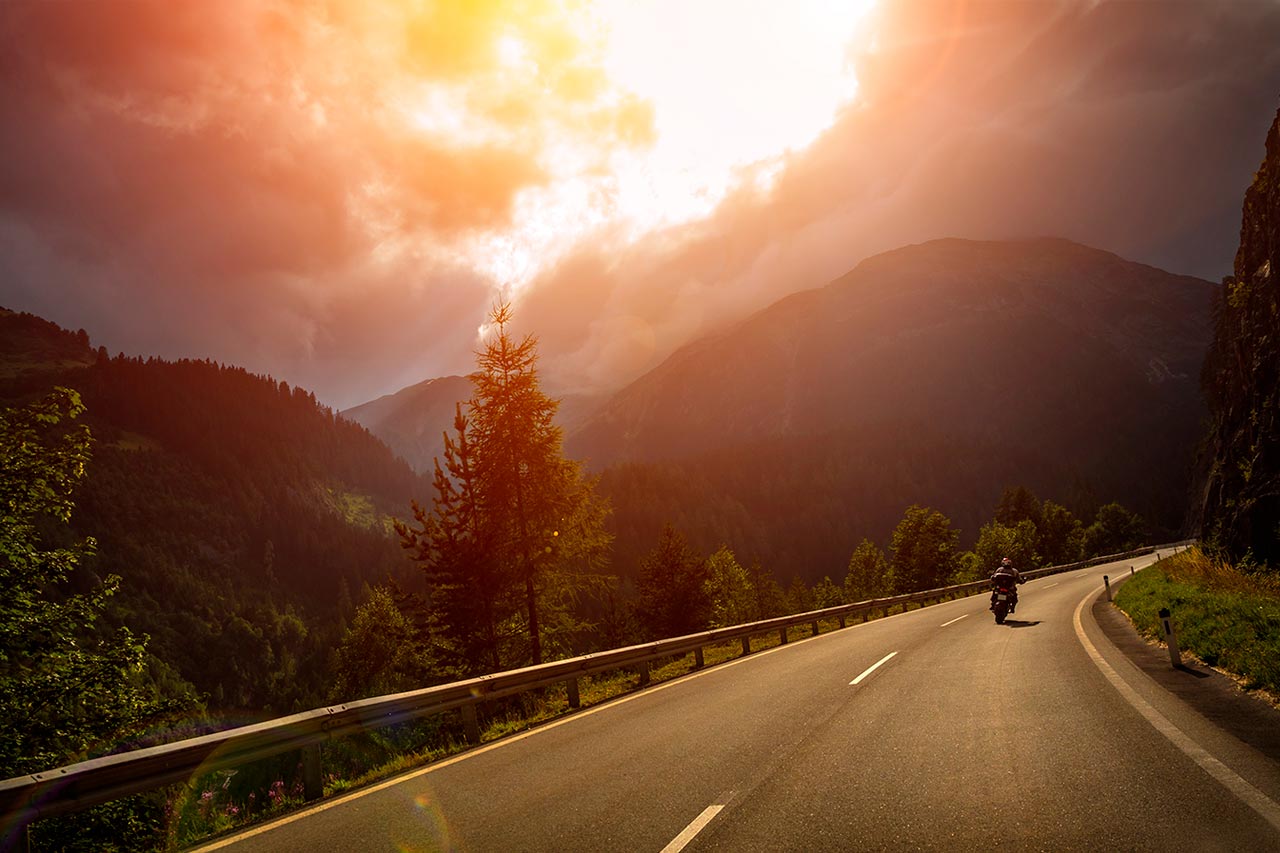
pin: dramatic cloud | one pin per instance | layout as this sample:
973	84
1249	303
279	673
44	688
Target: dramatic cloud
334	191
1126	126
293	186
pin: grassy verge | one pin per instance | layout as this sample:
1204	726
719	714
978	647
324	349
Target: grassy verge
1228	618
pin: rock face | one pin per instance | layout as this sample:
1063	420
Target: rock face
1241	500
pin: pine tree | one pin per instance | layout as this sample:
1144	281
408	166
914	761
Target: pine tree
868	575
672	588
924	550
516	532
728	589
543	512
455	543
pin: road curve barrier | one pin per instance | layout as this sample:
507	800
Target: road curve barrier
75	787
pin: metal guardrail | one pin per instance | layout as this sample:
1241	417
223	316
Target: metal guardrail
63	790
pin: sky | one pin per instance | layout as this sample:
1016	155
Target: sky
335	192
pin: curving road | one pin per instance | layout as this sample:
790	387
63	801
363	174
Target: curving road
1036	735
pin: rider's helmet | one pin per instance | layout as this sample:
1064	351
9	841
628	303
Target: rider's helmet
1006	562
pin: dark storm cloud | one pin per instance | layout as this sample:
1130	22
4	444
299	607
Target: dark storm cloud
243	179
1134	127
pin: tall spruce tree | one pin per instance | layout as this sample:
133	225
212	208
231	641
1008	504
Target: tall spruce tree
455	543
516	531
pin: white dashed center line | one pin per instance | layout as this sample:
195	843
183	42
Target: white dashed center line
873	667
953	621
699	823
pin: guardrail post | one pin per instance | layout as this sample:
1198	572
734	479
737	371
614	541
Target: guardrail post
782	633
1107	581
841	618
644	673
470	725
815	627
746	645
1166	626
312	778
697	658
571	688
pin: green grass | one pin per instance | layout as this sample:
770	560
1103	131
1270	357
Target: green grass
1226	617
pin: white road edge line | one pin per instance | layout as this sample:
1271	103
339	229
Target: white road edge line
699	823
952	622
1247	793
873	668
1055	583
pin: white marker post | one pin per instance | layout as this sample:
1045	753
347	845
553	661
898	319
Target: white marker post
1106	580
1166	625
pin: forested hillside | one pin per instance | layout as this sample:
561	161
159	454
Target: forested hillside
938	373
242	517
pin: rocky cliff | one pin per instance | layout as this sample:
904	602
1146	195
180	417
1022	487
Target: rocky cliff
1241	500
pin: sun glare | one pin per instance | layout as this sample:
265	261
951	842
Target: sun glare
733	86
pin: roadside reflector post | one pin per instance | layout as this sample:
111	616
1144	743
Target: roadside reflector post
841	617
644	673
746	645
1166	627
697	658
571	688
1106	580
312	780
1131	571
782	634
815	627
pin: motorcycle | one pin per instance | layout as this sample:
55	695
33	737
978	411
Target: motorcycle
1002	598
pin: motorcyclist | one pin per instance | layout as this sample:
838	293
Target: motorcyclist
1006	577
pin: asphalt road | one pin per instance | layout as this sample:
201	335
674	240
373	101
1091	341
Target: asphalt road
967	736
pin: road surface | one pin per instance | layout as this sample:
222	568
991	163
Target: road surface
930	730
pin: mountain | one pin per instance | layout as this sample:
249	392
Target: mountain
242	516
937	373
1240	503
413	420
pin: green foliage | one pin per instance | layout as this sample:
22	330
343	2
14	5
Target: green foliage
68	685
732	599
1019	504
516	533
868	574
470	588
1061	538
1226	617
923	550
997	541
767	597
232	506
1115	529
827	594
380	652
799	596
672	597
